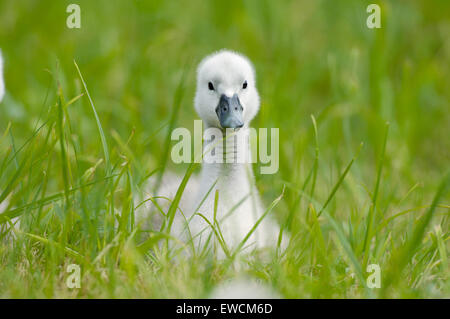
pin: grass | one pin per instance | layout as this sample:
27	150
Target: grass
74	171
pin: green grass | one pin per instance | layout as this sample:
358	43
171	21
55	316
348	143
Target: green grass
78	141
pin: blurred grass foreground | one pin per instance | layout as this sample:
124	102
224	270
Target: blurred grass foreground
71	168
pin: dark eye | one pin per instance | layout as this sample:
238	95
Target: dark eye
244	86
210	86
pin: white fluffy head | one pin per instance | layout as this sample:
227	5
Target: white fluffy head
227	71
2	84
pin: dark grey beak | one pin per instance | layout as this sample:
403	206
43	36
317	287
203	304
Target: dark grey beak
229	112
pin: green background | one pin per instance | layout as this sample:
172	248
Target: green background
312	58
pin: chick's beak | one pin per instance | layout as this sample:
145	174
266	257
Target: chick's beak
229	111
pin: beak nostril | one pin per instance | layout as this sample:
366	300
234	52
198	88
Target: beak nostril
229	112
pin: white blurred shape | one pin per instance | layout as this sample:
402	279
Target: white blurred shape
244	289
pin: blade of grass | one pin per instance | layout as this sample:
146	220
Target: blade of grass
178	98
373	207
99	125
441	247
62	144
348	250
219	238
341	179
14	180
68	250
406	252
9	214
252	230
316	158
312	173
174	205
